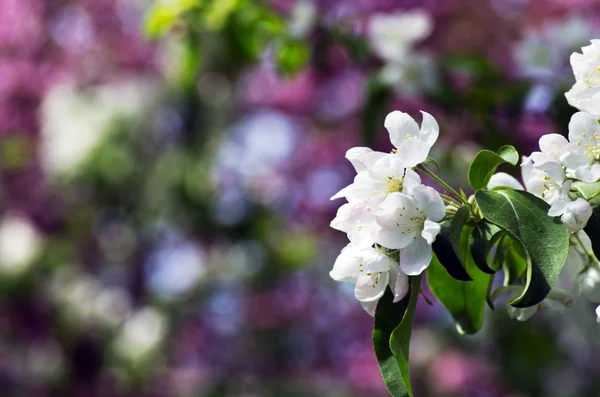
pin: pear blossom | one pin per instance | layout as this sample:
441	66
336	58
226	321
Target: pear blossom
383	174
392	35
355	219
412	143
584	147
585	93
547	180
410	223
371	271
576	214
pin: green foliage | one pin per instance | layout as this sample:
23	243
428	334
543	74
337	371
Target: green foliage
485	163
391	338
524	218
291	56
480	244
592	229
515	260
464	300
588	191
447	245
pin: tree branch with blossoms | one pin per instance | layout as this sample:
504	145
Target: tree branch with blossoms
402	232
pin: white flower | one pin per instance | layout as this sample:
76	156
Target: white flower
20	244
553	147
392	35
380	175
588	284
410	224
413	144
356	219
502	179
557	299
584	147
576	214
371	271
585	94
547	181
416	73
598	314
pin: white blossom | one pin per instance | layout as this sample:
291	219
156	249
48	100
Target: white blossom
576	215
371	271
383	173
584	147
585	94
409	223
598	314
356	219
412	143
392	35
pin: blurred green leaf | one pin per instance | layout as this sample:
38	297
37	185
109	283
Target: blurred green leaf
161	16
291	57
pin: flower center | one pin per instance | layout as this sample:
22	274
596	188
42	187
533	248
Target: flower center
593	79
548	186
591	148
394	184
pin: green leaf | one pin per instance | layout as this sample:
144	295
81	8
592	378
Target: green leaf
587	191
485	163
391	338
447	244
480	244
464	300
291	56
592	229
515	263
430	160
524	217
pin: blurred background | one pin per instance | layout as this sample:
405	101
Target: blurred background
166	169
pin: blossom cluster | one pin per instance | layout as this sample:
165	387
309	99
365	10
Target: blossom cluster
388	208
551	172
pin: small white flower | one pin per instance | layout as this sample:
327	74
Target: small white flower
371	271
588	284
598	314
576	215
356	219
553	147
392	35
584	147
413	144
410	224
383	174
585	94
547	181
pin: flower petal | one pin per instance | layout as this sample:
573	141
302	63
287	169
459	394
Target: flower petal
553	143
399	125
430	130
413	151
430	201
346	267
370	307
430	231
576	215
371	288
415	257
502	179
354	156
398	284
